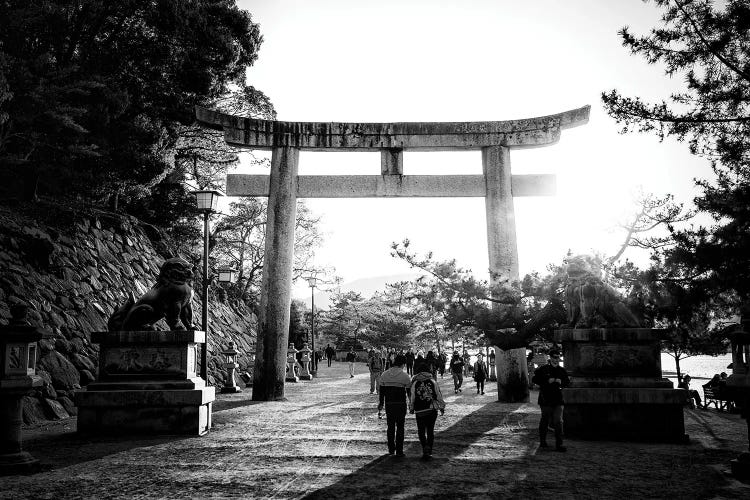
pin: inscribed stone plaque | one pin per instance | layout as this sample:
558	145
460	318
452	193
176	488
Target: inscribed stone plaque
143	360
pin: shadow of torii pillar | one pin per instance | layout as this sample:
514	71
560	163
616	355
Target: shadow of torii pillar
286	139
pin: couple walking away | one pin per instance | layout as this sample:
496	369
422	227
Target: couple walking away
424	400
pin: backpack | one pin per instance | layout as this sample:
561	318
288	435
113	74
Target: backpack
424	395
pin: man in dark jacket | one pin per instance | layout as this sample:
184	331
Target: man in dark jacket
394	393
330	353
551	378
457	369
410	362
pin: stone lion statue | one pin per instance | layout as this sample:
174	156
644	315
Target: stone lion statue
170	298
590	302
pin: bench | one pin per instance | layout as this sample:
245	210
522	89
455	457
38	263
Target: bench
714	395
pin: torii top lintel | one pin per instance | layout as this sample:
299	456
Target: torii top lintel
405	136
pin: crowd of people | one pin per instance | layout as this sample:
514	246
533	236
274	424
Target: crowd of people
408	381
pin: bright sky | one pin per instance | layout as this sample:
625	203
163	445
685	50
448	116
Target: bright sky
470	60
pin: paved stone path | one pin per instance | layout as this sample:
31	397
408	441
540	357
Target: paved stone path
327	442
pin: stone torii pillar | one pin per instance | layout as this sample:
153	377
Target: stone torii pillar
284	186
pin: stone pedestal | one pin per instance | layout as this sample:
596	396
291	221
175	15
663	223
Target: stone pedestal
738	387
617	390
305	373
230	384
147	384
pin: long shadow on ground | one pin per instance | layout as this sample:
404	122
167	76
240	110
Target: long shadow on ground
413	476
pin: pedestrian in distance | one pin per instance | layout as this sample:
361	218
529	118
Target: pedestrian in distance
410	362
457	370
425	402
467	362
442	359
394	395
375	366
351	357
480	373
551	378
330	353
432	363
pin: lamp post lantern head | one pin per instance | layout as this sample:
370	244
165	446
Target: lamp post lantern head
230	353
226	274
312	281
207	200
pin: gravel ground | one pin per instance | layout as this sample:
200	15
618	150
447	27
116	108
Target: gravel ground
327	442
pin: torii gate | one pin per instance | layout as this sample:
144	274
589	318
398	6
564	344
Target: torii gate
284	186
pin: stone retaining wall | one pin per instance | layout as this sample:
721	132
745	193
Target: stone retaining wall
74	271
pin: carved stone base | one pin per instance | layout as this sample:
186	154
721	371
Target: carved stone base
145	411
617	390
147	384
630	414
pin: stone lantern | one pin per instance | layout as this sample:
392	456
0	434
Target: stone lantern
230	385
305	373
291	363
18	348
738	387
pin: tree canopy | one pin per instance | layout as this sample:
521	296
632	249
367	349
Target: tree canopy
92	92
710	48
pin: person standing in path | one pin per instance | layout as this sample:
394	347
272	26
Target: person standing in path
330	353
376	368
410	362
467	362
426	399
351	357
457	370
432	362
551	378
394	394
480	373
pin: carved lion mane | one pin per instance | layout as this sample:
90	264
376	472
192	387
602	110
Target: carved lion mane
169	298
589	301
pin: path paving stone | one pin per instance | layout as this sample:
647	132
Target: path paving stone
326	441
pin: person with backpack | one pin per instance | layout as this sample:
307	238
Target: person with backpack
480	373
375	365
394	393
426	399
457	369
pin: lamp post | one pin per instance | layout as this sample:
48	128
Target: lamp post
207	201
313	282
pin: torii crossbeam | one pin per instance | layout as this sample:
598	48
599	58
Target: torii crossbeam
283	187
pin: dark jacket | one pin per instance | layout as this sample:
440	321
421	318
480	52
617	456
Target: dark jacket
480	371
394	387
457	365
409	358
550	394
351	357
425	395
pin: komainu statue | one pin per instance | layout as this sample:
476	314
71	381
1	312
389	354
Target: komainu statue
170	298
589	301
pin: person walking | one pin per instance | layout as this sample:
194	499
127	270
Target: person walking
330	353
351	357
426	399
410	362
457	370
442	359
376	369
551	378
480	373
467	362
432	362
394	393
